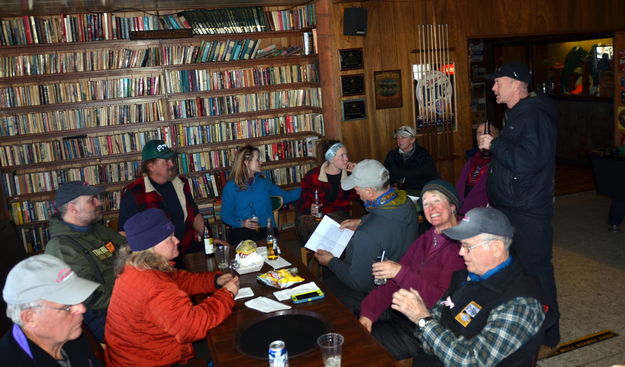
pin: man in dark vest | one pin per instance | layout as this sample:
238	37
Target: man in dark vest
492	313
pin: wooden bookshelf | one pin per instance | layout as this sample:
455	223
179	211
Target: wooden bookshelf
75	110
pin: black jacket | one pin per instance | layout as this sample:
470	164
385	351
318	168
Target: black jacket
418	169
522	170
78	351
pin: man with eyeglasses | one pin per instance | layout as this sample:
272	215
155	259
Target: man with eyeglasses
492	314
161	187
79	239
44	300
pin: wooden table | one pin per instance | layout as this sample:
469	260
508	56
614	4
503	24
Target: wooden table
359	349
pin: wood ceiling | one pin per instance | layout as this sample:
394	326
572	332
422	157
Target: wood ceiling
12	8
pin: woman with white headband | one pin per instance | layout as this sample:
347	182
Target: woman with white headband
325	180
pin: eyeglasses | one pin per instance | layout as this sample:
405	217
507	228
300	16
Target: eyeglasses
469	248
67	308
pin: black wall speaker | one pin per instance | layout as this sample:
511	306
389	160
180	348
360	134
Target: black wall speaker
355	21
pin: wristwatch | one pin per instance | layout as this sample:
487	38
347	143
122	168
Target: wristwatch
424	321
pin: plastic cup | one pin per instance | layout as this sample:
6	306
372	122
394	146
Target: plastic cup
377	281
331	345
221	257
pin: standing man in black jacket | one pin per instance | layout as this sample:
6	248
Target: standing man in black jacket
522	174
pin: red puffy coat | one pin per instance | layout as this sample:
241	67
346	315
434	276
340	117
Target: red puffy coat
151	320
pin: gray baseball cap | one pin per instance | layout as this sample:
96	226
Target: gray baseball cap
367	173
45	277
481	220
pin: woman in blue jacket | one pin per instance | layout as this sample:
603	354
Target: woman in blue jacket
246	198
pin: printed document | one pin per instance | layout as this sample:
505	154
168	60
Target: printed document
330	237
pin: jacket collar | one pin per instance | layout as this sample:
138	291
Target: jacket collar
323	174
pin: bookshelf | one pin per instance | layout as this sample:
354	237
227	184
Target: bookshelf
79	99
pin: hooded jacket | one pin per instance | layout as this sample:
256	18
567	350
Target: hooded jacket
522	170
391	227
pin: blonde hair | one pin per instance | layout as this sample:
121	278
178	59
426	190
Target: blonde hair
144	260
240	174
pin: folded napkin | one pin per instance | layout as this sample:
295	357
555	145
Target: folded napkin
264	304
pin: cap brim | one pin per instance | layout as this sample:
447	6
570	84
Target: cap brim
348	183
73	292
493	76
461	232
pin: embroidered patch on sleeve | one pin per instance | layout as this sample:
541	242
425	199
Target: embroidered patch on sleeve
467	314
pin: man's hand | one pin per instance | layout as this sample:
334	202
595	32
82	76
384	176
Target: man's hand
323	257
366	322
410	303
484	141
350	224
385	270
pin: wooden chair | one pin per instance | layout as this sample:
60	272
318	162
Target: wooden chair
308	258
277	202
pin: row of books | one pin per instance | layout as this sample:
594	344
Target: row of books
184	81
240	103
245	129
25	212
28	30
288	175
80	118
79	91
77	61
223	158
210	51
107	26
34	238
82	146
208	185
15	184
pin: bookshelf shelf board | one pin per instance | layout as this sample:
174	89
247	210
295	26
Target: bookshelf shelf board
246	115
39	48
238	36
265	61
111	158
80	75
246	90
91	131
83	104
49	195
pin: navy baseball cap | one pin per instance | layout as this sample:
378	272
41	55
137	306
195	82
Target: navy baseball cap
73	189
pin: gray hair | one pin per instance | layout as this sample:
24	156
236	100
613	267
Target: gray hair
14	312
507	241
63	208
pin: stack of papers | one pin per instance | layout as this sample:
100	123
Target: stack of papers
264	304
330	237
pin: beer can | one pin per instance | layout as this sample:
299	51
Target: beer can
278	356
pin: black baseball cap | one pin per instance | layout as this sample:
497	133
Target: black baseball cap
514	70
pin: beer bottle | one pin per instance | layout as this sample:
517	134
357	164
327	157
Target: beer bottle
271	242
209	246
486	152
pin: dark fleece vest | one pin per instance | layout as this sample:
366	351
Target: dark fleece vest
503	286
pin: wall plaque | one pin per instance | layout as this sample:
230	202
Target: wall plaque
352	85
350	58
354	109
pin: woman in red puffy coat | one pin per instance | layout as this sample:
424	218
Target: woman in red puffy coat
151	320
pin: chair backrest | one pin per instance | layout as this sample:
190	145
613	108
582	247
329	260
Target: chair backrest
276	204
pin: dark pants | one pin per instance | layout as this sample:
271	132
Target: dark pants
95	320
397	334
532	245
237	235
617	212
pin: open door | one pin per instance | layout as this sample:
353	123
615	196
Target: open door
619	91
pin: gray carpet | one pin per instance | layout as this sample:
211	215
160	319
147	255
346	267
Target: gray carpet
590	274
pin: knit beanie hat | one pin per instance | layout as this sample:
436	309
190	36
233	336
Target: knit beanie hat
147	229
445	188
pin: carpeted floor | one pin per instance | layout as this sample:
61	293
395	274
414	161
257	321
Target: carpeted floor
590	273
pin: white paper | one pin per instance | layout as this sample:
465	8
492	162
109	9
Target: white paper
244	293
330	237
287	293
278	263
264	304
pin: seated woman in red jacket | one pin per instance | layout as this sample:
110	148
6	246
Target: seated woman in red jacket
151	320
325	180
427	267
